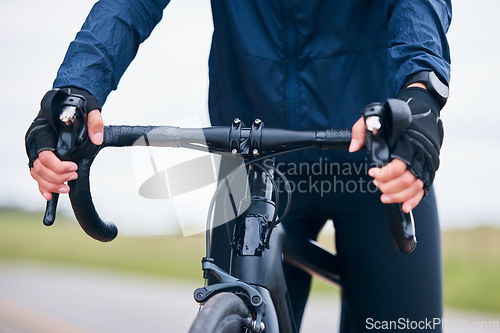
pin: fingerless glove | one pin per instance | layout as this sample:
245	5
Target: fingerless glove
41	134
420	144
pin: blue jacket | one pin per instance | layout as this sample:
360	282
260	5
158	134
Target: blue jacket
295	64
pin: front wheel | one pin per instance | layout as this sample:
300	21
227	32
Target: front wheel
223	313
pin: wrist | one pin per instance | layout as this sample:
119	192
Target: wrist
417	85
436	87
91	101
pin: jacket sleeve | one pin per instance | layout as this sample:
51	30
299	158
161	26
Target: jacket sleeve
106	44
417	39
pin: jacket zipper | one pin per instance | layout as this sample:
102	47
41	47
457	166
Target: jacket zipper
292	70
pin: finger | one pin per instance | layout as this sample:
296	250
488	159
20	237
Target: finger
46	187
407	204
51	174
48	159
358	135
413	202
402	196
40	171
46	195
406	180
95	127
395	169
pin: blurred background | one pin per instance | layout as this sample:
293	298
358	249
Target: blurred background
167	84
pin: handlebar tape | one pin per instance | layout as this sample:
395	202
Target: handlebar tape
402	228
83	207
114	136
158	136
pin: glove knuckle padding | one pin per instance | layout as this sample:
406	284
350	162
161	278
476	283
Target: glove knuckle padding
39	137
41	134
420	144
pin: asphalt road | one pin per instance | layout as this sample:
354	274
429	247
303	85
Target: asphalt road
38	298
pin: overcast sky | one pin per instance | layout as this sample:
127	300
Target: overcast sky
167	83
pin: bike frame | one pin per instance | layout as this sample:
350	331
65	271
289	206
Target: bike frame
256	272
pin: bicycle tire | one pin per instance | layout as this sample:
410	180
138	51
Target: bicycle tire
223	313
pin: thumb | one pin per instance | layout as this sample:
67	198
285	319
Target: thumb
358	135
95	126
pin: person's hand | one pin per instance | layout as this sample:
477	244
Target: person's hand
395	181
51	173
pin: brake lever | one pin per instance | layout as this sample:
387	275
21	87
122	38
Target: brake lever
385	123
70	123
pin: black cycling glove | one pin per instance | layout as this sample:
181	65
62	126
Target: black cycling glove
420	144
41	134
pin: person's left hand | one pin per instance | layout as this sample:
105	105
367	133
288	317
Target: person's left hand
394	180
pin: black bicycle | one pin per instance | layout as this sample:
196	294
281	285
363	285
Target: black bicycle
252	296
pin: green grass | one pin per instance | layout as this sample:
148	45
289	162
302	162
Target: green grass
471	258
23	237
471	269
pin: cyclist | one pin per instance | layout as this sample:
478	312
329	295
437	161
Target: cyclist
306	65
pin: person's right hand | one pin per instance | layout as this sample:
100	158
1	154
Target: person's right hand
51	173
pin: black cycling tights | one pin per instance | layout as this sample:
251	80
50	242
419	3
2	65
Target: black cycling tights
381	288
